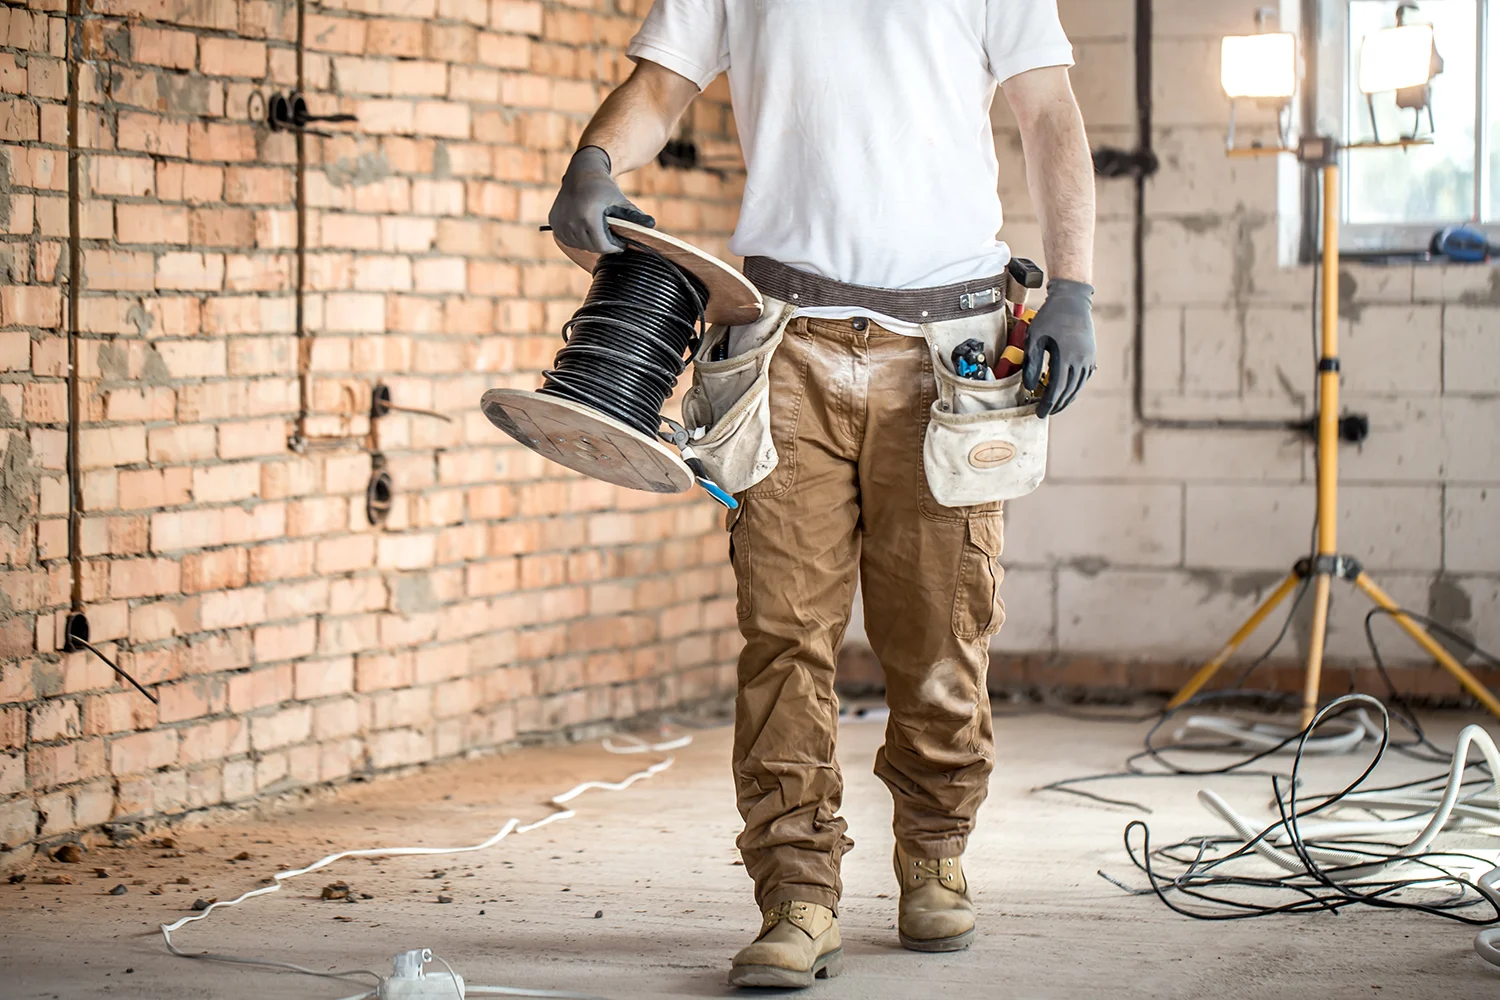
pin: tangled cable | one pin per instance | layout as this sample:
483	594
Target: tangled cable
631	339
1333	863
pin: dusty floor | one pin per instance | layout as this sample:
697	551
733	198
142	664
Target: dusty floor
640	895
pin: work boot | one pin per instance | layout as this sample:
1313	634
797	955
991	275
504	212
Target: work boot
935	913
798	942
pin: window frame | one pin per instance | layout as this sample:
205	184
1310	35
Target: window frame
1326	102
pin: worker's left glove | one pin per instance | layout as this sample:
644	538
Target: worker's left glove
1064	330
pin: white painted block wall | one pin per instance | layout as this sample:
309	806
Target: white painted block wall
1154	544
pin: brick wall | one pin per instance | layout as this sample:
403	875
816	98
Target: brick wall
1153	544
289	641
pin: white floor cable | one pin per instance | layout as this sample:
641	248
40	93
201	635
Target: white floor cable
512	825
1266	736
1430	812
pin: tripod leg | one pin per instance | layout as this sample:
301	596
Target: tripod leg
1313	679
1444	659
1205	673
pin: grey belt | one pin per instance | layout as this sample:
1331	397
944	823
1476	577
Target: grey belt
911	305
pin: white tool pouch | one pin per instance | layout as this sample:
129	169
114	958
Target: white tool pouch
984	442
730	400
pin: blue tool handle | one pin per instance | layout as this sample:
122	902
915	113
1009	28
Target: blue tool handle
710	487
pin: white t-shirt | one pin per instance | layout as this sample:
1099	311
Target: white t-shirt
864	123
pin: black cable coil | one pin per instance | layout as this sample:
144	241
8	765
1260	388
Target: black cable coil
631	339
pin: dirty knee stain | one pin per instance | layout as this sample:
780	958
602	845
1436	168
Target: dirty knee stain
950	690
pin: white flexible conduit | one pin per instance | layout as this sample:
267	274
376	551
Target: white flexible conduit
1432	811
1263	736
511	826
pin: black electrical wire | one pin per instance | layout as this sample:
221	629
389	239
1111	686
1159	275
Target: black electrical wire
116	668
1202	877
1408	716
1237	692
631	339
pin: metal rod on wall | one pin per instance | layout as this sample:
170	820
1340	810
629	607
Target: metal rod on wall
75	295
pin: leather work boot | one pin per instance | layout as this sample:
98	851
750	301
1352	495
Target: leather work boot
935	913
798	942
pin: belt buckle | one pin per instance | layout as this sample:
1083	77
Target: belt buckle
973	300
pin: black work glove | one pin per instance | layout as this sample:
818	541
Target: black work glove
588	196
1064	329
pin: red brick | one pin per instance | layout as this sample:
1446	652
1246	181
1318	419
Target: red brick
55	720
187	270
116	712
218	141
285	642
213	741
380	672
50	766
341	34
523	17
337	636
324	678
224	569
185	443
226	483
258	437
257	185
114	270
151	224
146	488
45	403
290	725
142	752
144	578
222	227
19	121
259	688
192	698
232	57
173	49
139	405
103	447
281	561
152	134
132	176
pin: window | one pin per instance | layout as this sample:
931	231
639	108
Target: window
1395	199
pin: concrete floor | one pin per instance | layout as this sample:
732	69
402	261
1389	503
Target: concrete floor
659	861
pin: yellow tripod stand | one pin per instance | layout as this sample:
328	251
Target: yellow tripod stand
1327	563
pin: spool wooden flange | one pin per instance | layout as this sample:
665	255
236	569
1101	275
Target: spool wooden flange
587	441
732	299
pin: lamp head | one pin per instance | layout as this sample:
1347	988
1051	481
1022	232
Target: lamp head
1260	67
1396	58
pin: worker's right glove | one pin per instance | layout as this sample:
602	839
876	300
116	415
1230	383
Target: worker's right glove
589	195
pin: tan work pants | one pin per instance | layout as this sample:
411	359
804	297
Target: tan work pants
849	406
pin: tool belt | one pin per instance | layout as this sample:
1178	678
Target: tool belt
938	304
983	442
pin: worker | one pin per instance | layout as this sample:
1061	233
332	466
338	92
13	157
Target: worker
870	199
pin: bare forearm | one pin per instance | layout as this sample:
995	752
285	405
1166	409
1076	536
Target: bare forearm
637	119
1060	176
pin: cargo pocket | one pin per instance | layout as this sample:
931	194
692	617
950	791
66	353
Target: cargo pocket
983	441
739	559
728	407
977	608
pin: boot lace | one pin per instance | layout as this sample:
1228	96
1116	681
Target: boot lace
944	870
